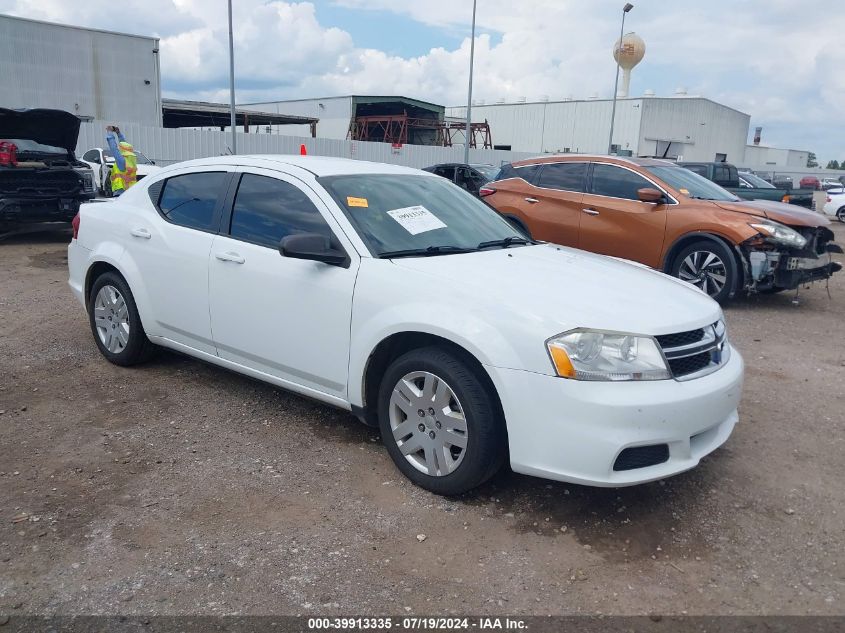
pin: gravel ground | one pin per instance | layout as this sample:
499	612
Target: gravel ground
181	488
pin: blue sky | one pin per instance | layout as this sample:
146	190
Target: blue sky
768	58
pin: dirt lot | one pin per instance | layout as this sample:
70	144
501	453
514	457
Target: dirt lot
181	488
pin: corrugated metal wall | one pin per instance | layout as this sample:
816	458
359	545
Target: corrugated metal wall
703	127
167	146
334	114
775	157
579	126
87	72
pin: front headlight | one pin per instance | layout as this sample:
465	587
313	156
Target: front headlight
780	234
595	355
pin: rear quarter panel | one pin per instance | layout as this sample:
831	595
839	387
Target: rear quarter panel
103	231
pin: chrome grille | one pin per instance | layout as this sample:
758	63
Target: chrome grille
696	353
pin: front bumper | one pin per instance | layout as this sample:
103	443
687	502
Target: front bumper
18	211
574	431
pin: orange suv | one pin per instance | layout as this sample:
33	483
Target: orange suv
667	217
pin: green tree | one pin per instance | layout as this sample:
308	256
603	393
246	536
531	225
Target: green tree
812	160
833	164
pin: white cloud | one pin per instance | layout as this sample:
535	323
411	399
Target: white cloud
764	57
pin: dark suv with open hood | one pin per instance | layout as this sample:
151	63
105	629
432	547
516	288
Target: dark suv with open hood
41	179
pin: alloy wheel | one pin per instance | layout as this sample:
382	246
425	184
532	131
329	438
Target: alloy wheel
706	270
111	318
428	423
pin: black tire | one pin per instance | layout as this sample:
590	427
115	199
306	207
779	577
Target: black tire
728	268
486	438
137	348
840	214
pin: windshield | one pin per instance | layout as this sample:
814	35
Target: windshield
691	184
395	213
25	145
756	181
139	157
488	171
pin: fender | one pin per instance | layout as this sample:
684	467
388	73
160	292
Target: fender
478	337
705	235
115	255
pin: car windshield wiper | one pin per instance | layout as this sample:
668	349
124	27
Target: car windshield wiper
504	243
427	252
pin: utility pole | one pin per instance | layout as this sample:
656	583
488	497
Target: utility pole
232	84
628	6
469	96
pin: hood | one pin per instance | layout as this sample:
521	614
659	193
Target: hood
48	127
789	214
556	289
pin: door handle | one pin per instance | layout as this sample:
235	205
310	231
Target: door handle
532	200
229	256
590	211
142	233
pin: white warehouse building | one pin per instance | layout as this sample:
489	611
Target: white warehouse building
682	127
91	73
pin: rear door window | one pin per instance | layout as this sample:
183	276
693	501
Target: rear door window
191	199
701	170
563	176
725	175
615	182
445	171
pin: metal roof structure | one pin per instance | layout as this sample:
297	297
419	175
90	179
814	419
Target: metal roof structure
178	113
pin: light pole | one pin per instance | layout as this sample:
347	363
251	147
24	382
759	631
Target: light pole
469	96
628	6
232	83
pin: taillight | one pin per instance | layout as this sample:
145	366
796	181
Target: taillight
829	199
486	191
75	224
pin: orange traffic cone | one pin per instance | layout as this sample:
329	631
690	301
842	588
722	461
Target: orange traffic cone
302	150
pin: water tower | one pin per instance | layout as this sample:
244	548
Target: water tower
628	52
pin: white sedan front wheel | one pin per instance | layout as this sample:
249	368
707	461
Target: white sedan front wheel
440	421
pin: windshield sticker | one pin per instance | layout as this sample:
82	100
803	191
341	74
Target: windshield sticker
357	202
684	191
416	219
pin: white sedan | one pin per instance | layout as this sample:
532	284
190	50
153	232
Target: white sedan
393	294
834	205
101	160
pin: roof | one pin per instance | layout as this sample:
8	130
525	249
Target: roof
630	160
317	165
603	100
79	28
362	100
179	113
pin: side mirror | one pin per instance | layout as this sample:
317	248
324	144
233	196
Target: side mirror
313	247
651	195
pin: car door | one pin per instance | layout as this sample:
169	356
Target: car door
288	318
170	248
552	206
615	222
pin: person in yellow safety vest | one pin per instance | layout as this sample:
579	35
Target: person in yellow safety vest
124	170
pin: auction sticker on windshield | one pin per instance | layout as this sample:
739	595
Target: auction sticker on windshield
357	202
416	219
